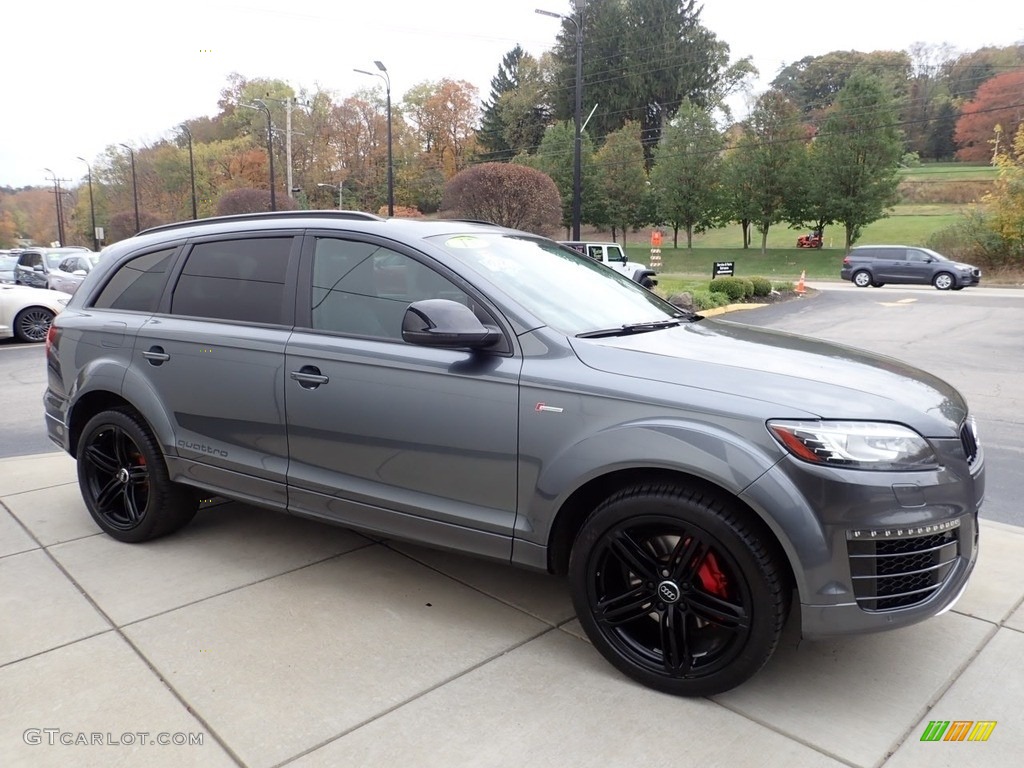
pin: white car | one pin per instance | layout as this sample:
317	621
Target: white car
70	273
26	313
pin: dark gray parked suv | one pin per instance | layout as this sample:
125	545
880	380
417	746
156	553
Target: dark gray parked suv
421	380
876	265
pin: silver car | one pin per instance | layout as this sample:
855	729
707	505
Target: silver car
71	271
422	380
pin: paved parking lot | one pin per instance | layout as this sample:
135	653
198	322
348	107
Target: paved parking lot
279	641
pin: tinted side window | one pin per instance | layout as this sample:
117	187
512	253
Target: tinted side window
137	284
234	280
31	260
363	289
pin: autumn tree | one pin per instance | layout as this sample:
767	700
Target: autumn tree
443	117
250	201
687	173
1006	200
859	149
998	102
507	194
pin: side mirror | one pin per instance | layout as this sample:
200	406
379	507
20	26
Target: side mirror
80	272
37	268
445	323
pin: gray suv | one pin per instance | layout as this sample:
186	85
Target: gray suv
421	380
876	265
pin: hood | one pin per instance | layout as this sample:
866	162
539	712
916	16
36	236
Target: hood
800	376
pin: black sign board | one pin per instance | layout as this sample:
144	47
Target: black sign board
722	268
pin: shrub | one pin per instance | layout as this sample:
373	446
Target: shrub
709	300
762	286
503	193
736	288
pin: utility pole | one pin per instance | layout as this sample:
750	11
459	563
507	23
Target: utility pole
58	206
288	104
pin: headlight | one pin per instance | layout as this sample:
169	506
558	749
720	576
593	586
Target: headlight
855	444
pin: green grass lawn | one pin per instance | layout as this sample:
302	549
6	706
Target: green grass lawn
948	172
907	225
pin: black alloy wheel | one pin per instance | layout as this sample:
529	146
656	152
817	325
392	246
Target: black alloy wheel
33	323
676	591
124	480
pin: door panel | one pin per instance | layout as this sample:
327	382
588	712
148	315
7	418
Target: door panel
389	435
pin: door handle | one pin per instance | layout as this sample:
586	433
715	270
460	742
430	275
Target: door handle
156	355
309	377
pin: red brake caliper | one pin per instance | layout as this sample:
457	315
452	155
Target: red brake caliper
712	578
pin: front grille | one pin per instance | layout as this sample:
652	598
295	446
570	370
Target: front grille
901	572
969	441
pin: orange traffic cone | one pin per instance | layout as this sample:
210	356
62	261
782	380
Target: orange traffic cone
800	288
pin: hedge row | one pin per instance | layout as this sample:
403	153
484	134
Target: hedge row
741	288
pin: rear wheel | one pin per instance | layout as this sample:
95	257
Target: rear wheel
33	323
676	591
124	479
862	278
943	281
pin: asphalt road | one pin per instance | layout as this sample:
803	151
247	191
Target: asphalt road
22	383
971	338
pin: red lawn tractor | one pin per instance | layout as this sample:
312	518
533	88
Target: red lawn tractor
810	240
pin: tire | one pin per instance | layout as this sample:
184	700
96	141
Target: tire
124	481
862	278
943	281
676	591
33	323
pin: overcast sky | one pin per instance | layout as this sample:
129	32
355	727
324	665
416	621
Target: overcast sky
84	74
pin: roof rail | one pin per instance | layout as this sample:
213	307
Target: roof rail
473	221
330	213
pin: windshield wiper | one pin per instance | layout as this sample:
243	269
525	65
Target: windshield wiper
625	330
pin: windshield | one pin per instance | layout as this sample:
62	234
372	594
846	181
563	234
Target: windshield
565	290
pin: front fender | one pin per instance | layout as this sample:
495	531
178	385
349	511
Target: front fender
730	461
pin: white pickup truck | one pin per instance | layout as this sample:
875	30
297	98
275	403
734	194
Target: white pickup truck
612	255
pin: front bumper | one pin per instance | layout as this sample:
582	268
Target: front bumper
871	551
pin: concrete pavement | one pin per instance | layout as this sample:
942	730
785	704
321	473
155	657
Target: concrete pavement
279	641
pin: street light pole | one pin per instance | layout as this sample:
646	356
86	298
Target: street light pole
92	207
577	152
391	166
339	187
191	169
58	206
262	106
135	188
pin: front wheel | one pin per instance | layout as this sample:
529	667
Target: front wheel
124	479
862	279
33	323
943	281
676	591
